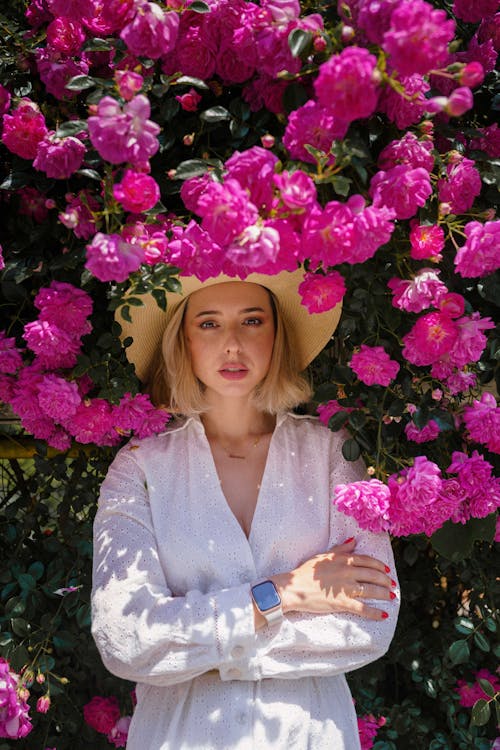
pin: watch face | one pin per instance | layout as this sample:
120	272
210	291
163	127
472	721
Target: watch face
266	596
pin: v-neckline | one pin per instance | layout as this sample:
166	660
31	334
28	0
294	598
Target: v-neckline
223	497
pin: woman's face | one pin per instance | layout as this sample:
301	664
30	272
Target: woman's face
230	335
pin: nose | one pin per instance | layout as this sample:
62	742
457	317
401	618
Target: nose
232	343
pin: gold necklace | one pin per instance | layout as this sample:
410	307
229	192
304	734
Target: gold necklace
236	455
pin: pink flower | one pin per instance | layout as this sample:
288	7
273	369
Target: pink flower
53	346
347	85
297	190
76	10
56	70
461	186
475	11
472	74
401	189
428	432
119	733
312	125
4	100
10	356
58	398
93	423
264	91
407	150
226	210
152	32
80	214
467	347
418	37
43	704
24	129
375	18
326	411
254	169
479	256
482	421
273	51
102	713
482	490
408	109
432	337
415	295
65	35
366	501
137	192
373	366
66	306
451	304
489	142
110	258
59	157
189	102
138	415
256	246
33	203
14	711
195	252
415	499
459	101
124	136
128	83
322	292
368	727
426	240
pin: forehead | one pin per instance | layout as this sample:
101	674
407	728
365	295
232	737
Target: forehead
231	294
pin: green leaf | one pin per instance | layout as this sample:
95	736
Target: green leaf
26	581
90	173
36	570
341	185
96	44
191	81
81	82
20	627
487	687
459	652
15	607
14	181
338	420
83	617
199	7
464	626
351	450
491	624
482	642
215	114
299	41
480	713
64	641
5	639
160	298
72	127
191	168
455	541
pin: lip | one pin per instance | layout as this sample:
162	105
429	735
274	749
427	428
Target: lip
233	371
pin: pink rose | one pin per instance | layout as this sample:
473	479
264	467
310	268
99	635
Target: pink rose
59	158
189	102
401	189
102	713
312	125
136	192
407	150
111	258
15	722
407	109
128	83
65	35
297	190
415	295
24	129
368	502
479	256
10	356
426	240
432	337
322	292
373	366
152	32
55	71
117	736
347	85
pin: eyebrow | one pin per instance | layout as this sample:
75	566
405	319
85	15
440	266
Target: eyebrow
245	310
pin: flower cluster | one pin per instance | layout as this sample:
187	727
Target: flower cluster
14	710
368	727
103	715
470	693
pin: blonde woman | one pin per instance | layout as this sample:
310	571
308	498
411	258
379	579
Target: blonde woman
226	584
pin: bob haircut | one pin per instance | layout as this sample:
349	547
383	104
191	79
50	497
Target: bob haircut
172	384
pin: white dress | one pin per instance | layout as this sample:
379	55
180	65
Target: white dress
171	595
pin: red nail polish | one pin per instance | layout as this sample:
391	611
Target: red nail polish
392	594
387	569
393	582
384	615
347	541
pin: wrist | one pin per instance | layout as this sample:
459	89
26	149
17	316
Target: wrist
289	602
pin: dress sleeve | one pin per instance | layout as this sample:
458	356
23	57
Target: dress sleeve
143	633
314	645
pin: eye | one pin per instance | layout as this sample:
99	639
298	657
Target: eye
207	324
253	322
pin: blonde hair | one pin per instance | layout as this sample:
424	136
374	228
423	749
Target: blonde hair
172	384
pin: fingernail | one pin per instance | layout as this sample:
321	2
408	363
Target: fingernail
393	582
387	569
347	541
384	615
392	594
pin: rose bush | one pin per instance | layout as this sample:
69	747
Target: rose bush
358	139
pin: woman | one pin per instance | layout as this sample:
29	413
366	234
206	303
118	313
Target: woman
225	582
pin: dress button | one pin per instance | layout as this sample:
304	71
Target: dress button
237	651
243	577
242	717
233	673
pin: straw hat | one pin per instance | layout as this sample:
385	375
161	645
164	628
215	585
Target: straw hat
309	332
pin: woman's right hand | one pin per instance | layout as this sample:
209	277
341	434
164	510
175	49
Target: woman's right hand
337	581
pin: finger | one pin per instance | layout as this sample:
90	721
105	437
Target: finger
365	561
370	575
357	607
372	591
346	544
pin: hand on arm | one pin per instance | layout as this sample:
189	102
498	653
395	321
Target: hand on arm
336	581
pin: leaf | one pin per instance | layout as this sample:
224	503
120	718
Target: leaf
20	627
36	570
464	626
160	298
90	173
480	713
215	114
81	82
72	127
191	81
338	420
199	7
482	642
455	541
191	168
341	185
299	41
459	652
26	581
487	687
14	181
96	44
351	450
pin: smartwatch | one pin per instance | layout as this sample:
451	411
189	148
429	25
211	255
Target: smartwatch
268	601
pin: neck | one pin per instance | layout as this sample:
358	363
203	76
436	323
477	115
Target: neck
232	422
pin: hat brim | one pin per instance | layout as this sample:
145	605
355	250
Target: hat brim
310	332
